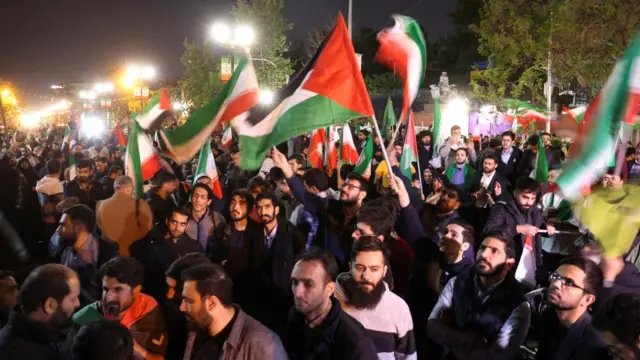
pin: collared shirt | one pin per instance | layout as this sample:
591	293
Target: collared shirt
268	238
200	229
486	179
458	175
87	254
506	155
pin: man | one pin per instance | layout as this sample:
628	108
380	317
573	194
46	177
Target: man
337	217
449	149
108	180
482	312
521	220
281	243
565	327
435	217
162	246
203	222
529	156
36	329
224	331
100	149
88	190
460	174
611	180
509	156
365	296
50	193
483	191
297	163
318	328
122	301
102	165
315	181
77	248
104	340
9	290
382	169
633	166
425	149
619	324
123	219
161	198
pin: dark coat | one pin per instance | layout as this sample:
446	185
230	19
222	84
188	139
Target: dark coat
342	338
627	282
527	163
89	198
22	339
504	183
580	342
509	170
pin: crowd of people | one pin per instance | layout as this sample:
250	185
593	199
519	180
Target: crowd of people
472	260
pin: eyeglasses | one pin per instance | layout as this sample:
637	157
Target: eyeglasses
350	187
564	281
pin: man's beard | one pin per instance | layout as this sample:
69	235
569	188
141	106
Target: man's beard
359	297
443	207
488	171
82	179
238	217
66	241
523	209
492	270
562	307
59	320
174	235
266	219
201	322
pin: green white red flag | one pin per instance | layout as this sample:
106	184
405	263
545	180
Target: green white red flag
328	90
410	149
541	171
227	137
207	165
349	154
156	111
403	50
316	148
231	105
141	160
388	120
363	166
614	109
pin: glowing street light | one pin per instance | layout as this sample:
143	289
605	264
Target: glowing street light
241	35
244	35
103	87
136	72
29	120
221	33
265	97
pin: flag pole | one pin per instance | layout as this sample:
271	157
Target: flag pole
384	151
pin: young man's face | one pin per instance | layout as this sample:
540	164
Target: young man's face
488	166
612	181
507	142
238	208
177	224
266	211
461	157
116	294
526	199
200	199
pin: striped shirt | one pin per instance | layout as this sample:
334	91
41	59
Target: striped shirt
389	324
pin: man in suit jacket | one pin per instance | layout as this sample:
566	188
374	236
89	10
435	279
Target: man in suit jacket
509	157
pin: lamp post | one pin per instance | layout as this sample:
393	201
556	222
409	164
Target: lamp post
139	74
5	94
239	36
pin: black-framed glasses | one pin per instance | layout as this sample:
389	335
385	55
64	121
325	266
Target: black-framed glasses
349	187
554	276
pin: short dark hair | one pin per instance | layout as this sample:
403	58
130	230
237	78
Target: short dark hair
509	244
466	152
181	210
114	169
82	214
317	178
266	195
468	234
246	195
450	187
234	149
102	159
55	154
509	134
364	184
380	215
593	274
492	157
297	158
621	317
258	181
53	167
83	163
103	340
46	281
369	243
525	184
204	187
275	174
328	262
211	280
6	274
176	268
125	269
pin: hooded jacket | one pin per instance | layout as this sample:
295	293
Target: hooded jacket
50	193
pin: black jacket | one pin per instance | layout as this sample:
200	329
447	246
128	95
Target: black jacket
579	342
339	337
89	198
504	183
627	282
510	169
22	339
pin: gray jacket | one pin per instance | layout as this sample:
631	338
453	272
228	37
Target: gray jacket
248	340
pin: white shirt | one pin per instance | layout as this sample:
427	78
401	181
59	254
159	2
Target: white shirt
486	179
506	155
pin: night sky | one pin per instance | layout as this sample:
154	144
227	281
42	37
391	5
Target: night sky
48	42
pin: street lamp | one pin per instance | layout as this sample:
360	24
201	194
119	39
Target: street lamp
138	73
6	96
241	35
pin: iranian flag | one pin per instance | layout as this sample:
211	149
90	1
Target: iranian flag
541	171
69	137
403	50
328	90
72	167
363	166
388	120
613	110
349	154
316	148
156	111
332	153
207	165
231	105
410	149
227	137
577	113
141	161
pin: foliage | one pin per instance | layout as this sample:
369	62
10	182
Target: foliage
381	84
584	38
268	21
201	79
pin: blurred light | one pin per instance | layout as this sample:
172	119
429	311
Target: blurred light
486	109
92	126
148	72
82	94
128	82
54	87
29	120
8	97
265	97
108	87
98	87
103	87
243	35
133	71
221	33
87	94
178	105
456	113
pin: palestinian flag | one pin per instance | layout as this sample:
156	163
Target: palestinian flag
388	120
403	50
69	137
157	110
614	109
207	165
541	171
72	167
227	137
363	166
141	160
410	150
576	114
120	137
327	91
231	105
316	148
349	154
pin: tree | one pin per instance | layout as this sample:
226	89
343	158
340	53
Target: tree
201	79
382	84
268	21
